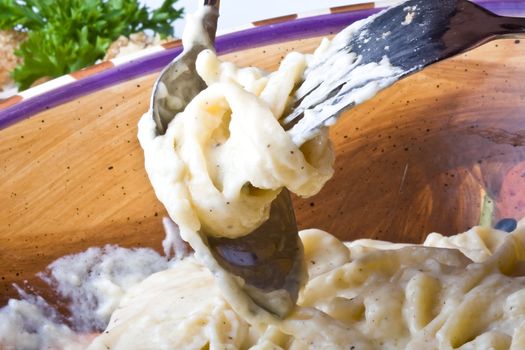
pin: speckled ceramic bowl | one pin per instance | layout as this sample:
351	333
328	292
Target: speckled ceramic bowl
431	153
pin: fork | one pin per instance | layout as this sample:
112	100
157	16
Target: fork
411	35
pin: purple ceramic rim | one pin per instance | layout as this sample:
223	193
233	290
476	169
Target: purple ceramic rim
253	37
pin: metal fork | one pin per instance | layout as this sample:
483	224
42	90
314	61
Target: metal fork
412	35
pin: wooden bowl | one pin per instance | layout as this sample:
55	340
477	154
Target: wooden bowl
427	154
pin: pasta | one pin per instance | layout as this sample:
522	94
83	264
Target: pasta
360	295
226	157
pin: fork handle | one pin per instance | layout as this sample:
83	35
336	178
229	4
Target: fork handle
472	25
505	26
497	27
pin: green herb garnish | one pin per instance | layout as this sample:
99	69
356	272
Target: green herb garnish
67	35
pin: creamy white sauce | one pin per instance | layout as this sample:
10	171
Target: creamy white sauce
367	294
332	66
365	81
411	13
30	324
224	159
361	295
90	283
94	281
194	31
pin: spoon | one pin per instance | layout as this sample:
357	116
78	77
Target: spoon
412	35
269	260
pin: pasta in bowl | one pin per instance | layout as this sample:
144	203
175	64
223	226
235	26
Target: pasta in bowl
410	283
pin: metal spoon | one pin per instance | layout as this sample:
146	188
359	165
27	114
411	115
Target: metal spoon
178	83
270	259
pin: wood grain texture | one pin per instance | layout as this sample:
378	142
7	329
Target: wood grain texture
418	158
421	156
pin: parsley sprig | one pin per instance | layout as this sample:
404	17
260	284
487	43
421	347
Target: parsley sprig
67	35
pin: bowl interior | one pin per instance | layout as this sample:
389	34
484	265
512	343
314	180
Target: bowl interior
428	154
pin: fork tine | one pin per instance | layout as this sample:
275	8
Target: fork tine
372	54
